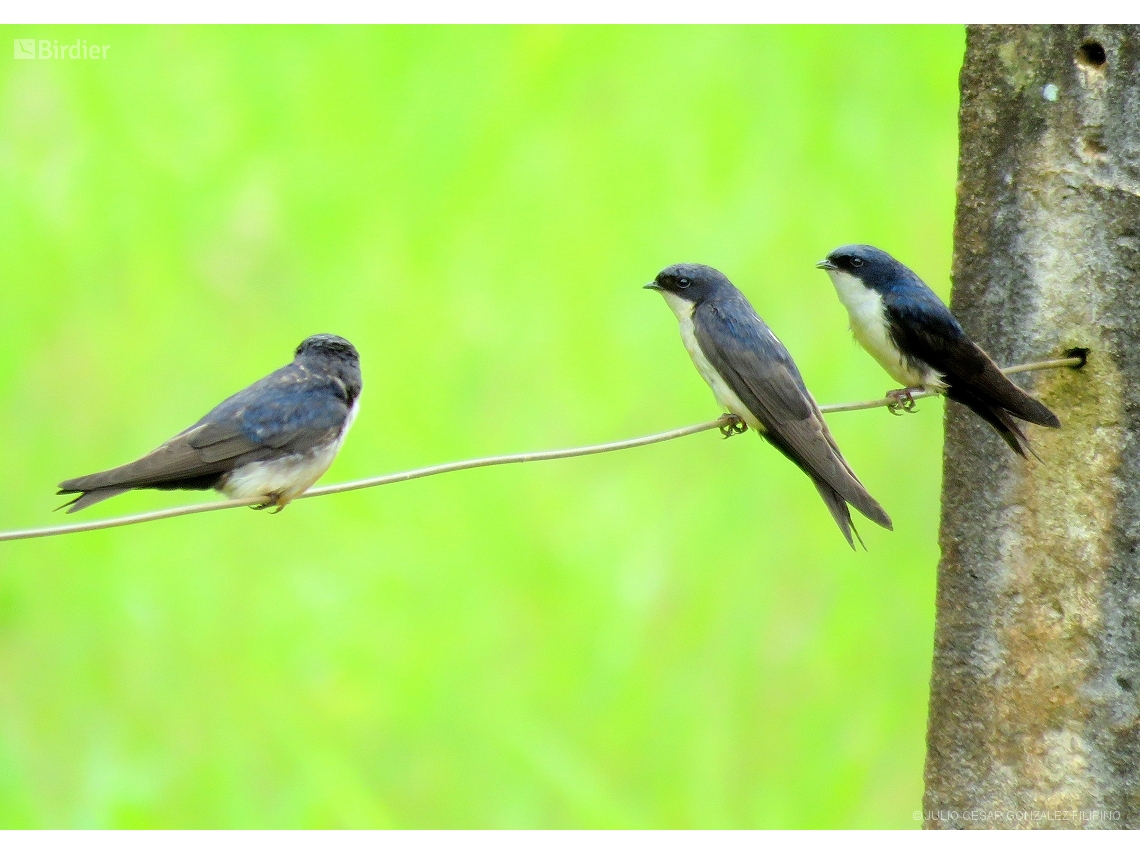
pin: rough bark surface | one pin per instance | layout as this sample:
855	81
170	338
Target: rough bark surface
1034	718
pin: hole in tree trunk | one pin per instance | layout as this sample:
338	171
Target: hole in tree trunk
1092	53
1081	352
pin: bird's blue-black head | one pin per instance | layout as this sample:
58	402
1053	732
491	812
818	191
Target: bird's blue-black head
335	355
332	346
693	283
876	269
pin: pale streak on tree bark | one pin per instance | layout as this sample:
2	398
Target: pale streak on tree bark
1034	692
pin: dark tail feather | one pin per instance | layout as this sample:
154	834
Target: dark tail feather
1013	433
1002	421
1020	404
107	480
857	496
89	498
850	490
839	512
997	390
872	510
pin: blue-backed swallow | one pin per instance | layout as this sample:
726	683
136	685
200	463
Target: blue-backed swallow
912	334
753	377
270	441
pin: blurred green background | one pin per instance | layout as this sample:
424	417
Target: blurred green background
674	636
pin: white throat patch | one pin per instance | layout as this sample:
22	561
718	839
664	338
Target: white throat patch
723	393
868	319
681	308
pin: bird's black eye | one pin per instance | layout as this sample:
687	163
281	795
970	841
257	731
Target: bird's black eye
856	261
682	282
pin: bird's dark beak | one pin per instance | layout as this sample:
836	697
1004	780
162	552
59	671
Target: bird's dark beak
826	264
653	286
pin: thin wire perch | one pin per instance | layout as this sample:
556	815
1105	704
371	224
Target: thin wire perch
531	457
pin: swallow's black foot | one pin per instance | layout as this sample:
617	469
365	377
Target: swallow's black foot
734	427
901	401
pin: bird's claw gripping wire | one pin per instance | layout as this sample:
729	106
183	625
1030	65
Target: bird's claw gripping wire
732	427
901	401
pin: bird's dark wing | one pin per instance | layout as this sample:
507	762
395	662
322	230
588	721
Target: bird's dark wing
924	328
290	410
759	369
174	460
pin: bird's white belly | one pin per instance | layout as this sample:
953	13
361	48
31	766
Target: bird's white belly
721	390
868	318
286	477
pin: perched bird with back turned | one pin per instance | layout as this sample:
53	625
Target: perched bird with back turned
912	334
270	441
753	377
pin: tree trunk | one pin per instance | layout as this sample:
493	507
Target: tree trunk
1034	718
